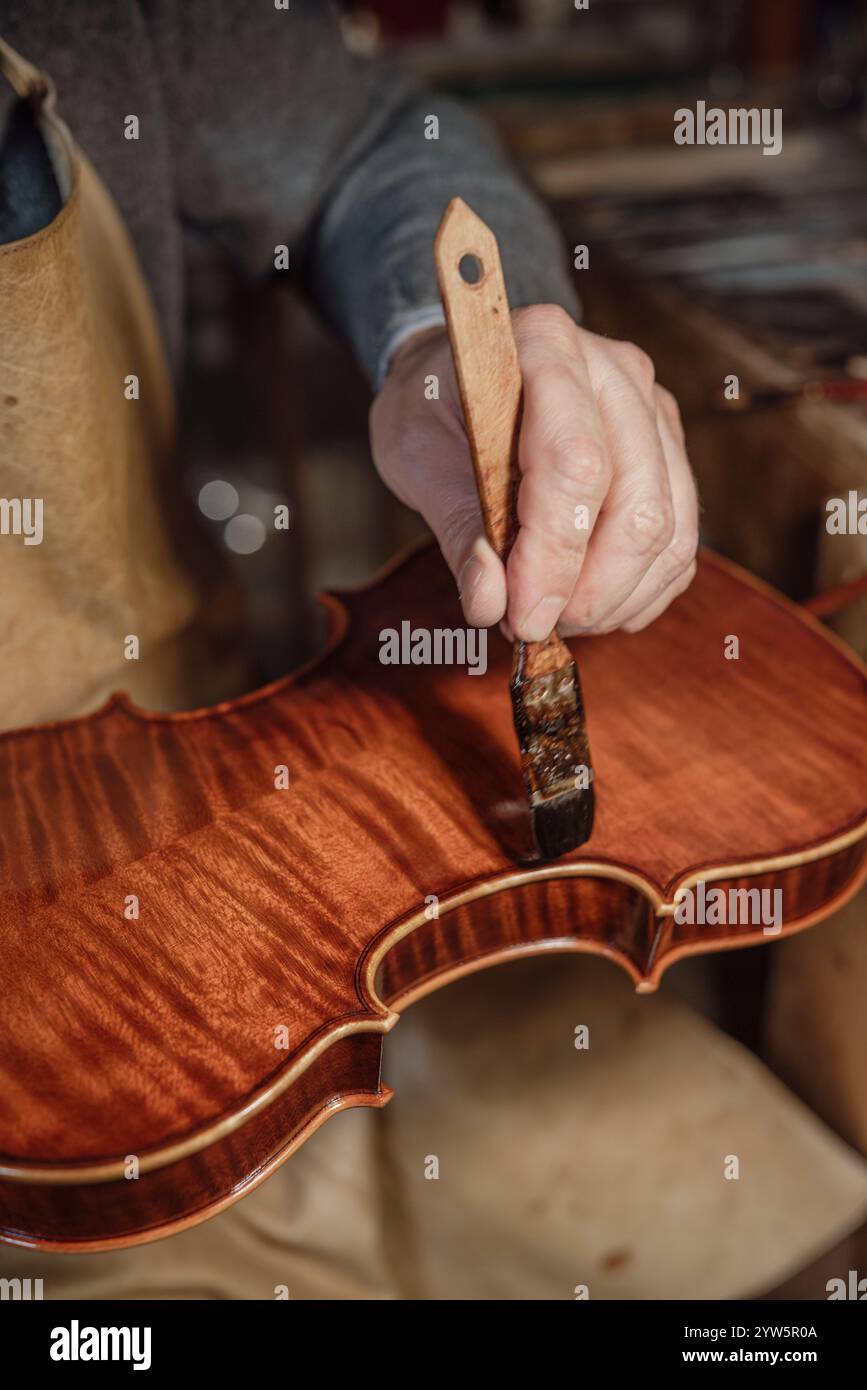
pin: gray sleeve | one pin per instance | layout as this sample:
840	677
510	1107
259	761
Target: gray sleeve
373	252
284	137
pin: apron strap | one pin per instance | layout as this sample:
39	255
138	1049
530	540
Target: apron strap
25	79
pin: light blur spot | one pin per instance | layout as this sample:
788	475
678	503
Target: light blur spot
361	33
218	500
244	534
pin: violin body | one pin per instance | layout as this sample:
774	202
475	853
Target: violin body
209	920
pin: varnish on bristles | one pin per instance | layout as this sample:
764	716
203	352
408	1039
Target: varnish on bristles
555	755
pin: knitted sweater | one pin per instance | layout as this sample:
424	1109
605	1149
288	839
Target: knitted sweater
258	128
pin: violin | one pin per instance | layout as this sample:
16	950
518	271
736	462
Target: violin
210	919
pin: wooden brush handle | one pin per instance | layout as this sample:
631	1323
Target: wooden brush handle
489	378
486	362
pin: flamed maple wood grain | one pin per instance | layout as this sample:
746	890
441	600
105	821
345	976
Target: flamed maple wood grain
263	908
99	1216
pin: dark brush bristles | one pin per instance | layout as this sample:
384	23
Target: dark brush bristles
555	754
562	822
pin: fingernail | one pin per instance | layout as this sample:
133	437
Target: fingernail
539	623
468	579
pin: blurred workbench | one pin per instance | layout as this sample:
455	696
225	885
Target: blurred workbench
720	262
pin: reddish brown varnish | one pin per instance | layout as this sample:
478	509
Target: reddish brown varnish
305	908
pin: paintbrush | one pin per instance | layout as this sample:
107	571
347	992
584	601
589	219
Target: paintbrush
546	691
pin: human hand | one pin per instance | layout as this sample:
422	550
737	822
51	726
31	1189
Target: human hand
607	508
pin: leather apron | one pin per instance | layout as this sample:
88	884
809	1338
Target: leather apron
510	1164
99	601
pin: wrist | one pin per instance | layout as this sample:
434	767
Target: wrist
413	347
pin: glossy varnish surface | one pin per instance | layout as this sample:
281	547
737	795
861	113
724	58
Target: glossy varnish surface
263	909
